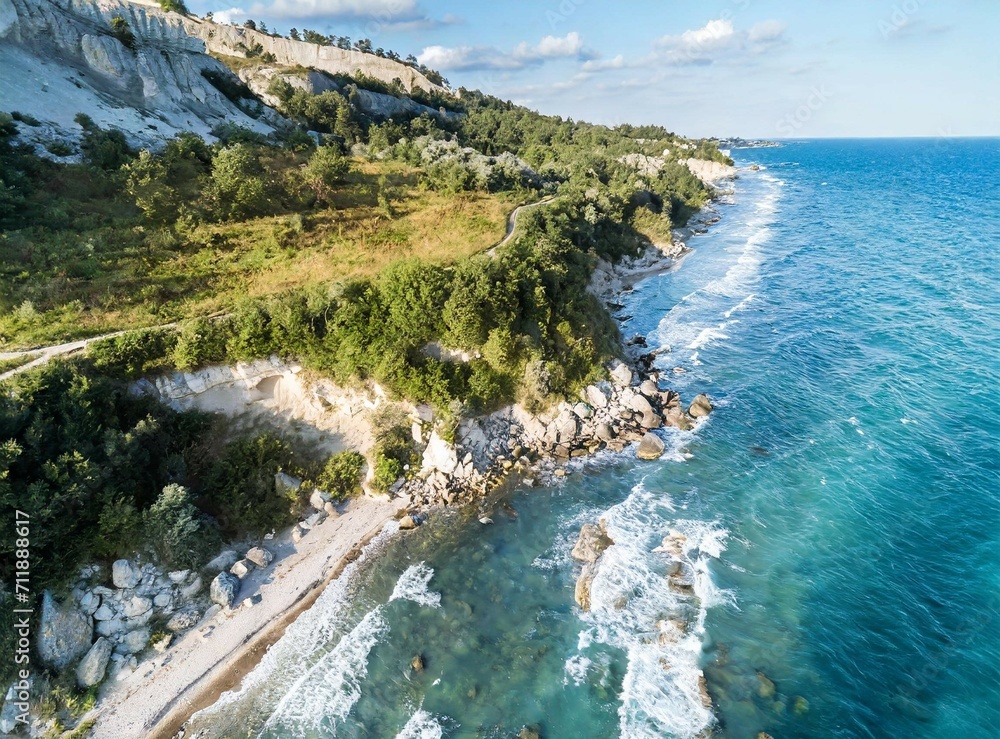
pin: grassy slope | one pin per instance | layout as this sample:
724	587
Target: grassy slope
139	277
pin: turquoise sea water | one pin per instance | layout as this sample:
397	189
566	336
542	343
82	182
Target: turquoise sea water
841	506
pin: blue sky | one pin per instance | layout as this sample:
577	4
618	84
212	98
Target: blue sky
753	68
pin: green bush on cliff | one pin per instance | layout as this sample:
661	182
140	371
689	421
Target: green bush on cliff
241	489
341	475
180	534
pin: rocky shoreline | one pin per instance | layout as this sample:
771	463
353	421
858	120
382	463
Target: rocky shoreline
162	608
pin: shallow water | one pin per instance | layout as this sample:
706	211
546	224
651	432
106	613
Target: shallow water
841	506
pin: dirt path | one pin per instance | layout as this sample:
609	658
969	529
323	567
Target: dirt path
512	221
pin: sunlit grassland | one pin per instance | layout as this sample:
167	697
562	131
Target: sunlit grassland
90	281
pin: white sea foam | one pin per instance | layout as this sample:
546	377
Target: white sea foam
633	607
421	726
412	585
576	669
332	685
306	636
704	316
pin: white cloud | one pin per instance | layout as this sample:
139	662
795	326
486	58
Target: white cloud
716	39
599	65
229	16
551	47
766	32
457	58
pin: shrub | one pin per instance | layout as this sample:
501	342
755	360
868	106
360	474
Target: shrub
174	6
393	452
121	31
105	149
341	475
238	189
178	532
200	342
132	353
240	485
326	167
119	529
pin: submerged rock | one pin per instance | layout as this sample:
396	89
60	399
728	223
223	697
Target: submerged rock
417	663
592	542
765	686
92	667
583	583
651	447
406	523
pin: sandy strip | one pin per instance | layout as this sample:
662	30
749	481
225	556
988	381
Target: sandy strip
163	693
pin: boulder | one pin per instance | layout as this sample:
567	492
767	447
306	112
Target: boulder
135	641
224	588
406	523
162	599
673	544
596	397
582	410
90	602
190	591
604	432
223	562
621	374
651	420
649	389
178	576
319	499
765	686
592	542
64	634
700	407
92	667
330	510
313	520
651	447
260	556
583	583
183	619
111	627
241	569
298	531
285	483
104	613
137	606
639	403
124	575
678	419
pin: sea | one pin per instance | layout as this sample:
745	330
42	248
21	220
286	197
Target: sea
835	521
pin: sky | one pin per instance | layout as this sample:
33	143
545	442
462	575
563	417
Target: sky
750	68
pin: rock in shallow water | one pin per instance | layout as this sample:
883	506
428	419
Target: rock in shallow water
651	447
700	407
593	541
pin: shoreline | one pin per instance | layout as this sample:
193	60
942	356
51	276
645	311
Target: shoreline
159	702
214	657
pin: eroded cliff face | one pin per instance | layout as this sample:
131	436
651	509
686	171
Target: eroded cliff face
62	57
225	39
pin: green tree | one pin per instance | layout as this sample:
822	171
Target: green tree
177	530
326	168
237	187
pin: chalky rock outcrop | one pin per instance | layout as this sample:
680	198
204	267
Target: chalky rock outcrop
61	59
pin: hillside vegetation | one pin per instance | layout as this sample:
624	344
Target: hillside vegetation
350	249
